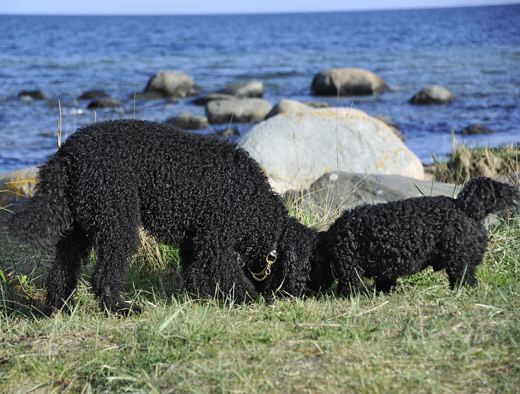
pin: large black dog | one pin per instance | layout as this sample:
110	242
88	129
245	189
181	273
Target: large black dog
202	193
388	241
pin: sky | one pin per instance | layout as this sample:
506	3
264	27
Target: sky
163	7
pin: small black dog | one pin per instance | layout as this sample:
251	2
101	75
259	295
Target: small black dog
388	241
202	193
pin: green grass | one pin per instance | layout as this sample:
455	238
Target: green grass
464	163
424	338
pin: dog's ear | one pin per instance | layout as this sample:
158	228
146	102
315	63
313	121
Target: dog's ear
296	268
295	249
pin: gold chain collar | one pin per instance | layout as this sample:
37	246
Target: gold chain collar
267	270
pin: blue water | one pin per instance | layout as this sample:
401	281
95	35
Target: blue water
474	52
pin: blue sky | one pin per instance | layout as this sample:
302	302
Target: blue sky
140	7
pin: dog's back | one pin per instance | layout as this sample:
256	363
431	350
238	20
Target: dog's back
171	176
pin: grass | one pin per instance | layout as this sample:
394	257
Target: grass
423	338
464	163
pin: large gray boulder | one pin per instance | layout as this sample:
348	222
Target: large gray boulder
390	123
189	122
251	110
295	149
434	94
338	191
347	82
172	84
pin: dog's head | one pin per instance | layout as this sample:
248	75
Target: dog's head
290	271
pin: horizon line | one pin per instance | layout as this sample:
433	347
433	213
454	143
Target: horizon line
264	12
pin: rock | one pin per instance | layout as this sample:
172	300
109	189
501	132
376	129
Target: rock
433	94
476	129
348	82
94	94
212	97
295	149
105	103
15	187
513	178
172	84
335	192
146	96
251	110
390	123
319	104
287	106
226	133
34	94
189	122
245	89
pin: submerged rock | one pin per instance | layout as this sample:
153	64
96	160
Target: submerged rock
172	84
94	94
245	89
105	103
476	129
189	122
287	106
434	94
251	110
347	82
34	94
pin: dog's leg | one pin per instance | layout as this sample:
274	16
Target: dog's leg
386	286
462	274
72	249
209	267
350	278
116	245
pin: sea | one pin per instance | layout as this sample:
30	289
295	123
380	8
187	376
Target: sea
474	52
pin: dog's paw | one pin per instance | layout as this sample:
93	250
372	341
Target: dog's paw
123	308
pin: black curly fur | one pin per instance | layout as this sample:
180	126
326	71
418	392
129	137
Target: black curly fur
400	238
204	194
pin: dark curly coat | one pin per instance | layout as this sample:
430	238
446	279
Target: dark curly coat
400	238
204	194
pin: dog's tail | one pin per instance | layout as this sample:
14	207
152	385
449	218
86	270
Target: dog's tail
483	196
47	212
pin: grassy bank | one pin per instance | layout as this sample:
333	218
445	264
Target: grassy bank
464	163
424	338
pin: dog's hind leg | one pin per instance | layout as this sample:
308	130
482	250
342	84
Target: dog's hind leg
210	267
117	243
72	249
